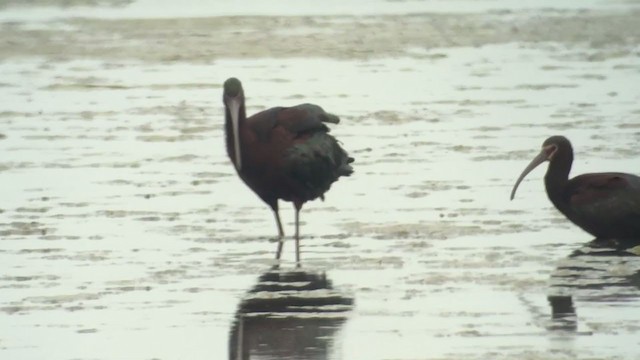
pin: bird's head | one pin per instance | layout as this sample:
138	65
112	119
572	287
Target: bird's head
549	150
232	88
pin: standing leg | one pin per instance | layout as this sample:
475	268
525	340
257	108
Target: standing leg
280	232
298	207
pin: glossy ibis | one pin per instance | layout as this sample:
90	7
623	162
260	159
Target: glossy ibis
606	205
283	153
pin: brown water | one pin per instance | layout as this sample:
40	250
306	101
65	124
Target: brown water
127	235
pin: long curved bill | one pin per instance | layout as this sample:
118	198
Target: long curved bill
234	110
539	159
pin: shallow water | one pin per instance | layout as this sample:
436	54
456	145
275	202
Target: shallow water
126	233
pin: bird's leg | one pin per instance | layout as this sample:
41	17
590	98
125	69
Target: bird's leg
298	206
280	231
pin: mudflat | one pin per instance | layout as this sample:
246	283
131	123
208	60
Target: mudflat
126	234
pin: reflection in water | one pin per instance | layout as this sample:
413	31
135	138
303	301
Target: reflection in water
288	314
592	273
563	313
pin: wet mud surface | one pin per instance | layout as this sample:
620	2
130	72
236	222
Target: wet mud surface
126	234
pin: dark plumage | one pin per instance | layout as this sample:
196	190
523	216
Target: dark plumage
283	153
606	205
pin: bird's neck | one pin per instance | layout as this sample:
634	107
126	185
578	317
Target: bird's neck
557	178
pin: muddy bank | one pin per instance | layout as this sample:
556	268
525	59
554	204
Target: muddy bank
342	37
126	233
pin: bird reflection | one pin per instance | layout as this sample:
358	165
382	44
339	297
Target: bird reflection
289	314
598	272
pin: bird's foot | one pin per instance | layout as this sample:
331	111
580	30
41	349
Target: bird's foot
627	246
604	243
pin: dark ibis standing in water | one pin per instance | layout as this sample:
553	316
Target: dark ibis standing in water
283	153
606	205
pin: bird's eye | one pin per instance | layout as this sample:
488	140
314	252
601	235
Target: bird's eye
550	151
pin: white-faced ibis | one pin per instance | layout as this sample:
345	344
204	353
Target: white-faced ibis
283	153
606	205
